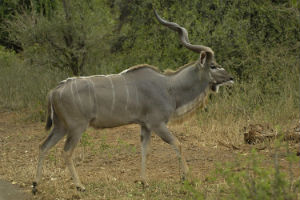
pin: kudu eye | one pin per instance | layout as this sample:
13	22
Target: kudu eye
213	67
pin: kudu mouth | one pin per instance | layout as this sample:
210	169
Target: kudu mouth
215	86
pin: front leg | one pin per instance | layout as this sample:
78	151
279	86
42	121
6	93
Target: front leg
163	132
145	140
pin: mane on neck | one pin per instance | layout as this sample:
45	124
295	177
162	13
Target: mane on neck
138	67
170	72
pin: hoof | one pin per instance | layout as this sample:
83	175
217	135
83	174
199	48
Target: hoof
80	189
182	178
34	190
143	183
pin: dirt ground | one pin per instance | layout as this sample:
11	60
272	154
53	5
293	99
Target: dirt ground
9	191
108	161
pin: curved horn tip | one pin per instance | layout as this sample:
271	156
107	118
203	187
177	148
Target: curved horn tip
156	14
210	51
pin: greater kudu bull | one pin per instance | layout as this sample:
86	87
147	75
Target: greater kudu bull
140	95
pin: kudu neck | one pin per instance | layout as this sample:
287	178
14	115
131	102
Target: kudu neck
188	86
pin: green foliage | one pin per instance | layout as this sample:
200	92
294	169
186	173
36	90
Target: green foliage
103	145
22	86
86	140
68	40
124	146
236	30
128	34
9	8
257	41
248	179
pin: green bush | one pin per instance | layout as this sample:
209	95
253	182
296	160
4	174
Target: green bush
256	41
23	86
248	178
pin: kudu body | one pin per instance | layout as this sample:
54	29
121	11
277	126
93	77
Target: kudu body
140	95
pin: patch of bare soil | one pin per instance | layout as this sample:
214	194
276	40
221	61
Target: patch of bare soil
108	161
9	191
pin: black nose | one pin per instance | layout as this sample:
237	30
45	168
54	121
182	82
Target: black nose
232	79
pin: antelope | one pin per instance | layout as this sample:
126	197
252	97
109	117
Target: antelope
139	95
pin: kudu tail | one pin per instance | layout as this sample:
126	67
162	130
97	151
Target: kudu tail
49	113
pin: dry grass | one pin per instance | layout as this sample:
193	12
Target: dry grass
108	161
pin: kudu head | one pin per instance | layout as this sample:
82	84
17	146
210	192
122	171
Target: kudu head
208	67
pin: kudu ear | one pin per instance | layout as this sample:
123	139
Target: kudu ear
205	57
202	58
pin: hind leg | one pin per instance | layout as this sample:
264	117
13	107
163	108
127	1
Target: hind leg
71	142
56	134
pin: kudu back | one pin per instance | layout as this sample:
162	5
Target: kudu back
139	95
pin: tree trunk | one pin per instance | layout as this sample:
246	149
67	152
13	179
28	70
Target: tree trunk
68	37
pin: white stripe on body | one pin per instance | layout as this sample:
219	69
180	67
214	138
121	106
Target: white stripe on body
72	92
61	91
127	93
77	92
113	94
91	85
136	97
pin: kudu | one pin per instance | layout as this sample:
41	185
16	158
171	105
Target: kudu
139	95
